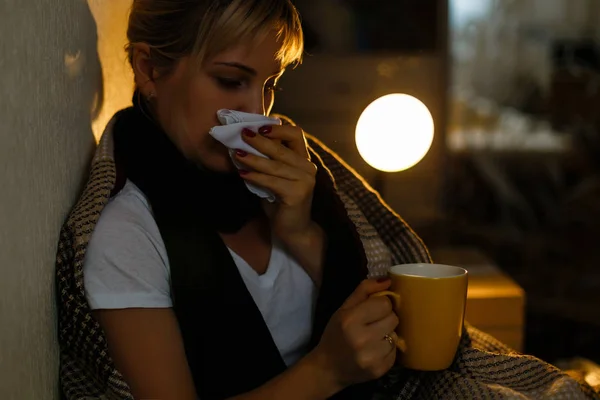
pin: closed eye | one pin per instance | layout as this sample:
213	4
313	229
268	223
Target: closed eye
230	84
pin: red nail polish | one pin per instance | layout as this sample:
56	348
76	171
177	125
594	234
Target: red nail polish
243	172
265	130
241	153
383	279
248	132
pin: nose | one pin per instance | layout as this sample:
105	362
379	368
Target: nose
254	102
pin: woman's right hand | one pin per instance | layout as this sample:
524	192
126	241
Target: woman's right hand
353	348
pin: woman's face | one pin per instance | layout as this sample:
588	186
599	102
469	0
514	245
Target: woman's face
187	100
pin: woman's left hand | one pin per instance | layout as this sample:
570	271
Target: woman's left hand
288	173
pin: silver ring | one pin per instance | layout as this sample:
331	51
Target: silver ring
390	340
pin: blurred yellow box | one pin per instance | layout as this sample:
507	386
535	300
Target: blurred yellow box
495	302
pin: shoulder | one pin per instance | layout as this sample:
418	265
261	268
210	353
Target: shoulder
127	219
127	213
130	203
126	264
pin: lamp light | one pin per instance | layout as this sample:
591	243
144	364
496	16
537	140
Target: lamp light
394	133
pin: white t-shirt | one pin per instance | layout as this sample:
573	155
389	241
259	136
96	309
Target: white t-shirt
126	266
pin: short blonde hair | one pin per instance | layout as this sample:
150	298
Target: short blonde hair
204	28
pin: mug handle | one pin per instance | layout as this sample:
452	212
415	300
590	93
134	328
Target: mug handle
396	301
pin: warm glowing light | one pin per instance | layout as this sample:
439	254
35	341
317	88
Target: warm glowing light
394	132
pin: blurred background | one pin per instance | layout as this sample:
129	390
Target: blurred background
509	187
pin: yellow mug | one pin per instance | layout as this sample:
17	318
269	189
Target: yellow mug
430	301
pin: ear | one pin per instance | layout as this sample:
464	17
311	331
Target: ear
143	69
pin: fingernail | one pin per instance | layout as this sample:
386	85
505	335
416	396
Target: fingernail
248	132
265	130
243	172
241	153
383	279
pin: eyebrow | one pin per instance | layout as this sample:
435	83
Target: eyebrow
245	68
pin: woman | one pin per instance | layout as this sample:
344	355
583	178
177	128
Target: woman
175	282
191	277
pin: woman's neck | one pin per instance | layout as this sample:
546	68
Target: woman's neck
253	243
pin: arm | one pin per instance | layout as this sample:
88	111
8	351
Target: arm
309	250
290	175
147	349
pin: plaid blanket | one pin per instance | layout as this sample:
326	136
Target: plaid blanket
483	368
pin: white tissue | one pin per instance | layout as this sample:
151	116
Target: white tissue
230	134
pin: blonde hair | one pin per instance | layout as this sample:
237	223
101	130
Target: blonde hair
204	28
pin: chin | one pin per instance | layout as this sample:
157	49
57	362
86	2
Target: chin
220	163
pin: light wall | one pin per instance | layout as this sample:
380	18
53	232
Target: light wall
49	84
111	18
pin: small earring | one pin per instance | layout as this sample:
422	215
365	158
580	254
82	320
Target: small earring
151	95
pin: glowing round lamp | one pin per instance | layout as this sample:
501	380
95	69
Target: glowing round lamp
394	132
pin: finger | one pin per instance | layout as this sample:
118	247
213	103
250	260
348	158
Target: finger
277	151
390	358
266	146
380	348
384	326
288	192
270	167
380	354
364	290
373	309
292	136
